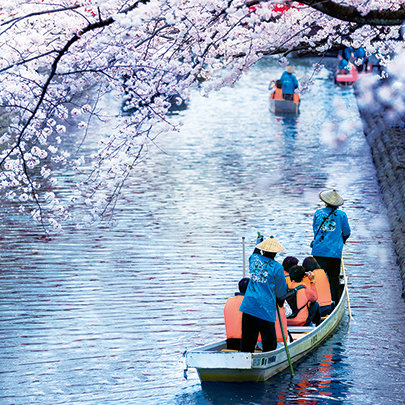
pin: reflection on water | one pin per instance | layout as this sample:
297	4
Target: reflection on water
103	315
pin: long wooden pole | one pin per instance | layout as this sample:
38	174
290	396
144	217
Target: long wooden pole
347	291
285	341
244	257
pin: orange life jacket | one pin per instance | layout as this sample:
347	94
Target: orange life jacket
323	288
277	95
233	320
287	278
296	97
302	301
233	317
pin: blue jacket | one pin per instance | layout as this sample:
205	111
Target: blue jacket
267	281
329	240
290	83
346	53
344	65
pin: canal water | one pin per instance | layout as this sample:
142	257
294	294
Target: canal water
103	315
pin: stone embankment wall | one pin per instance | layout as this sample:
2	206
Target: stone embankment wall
387	143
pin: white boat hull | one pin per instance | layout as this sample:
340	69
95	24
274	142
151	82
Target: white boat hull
213	364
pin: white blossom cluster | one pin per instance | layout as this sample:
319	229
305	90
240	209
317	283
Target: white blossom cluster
60	57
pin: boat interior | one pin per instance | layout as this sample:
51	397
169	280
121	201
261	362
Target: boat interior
294	333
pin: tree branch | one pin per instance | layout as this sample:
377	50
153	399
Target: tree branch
351	14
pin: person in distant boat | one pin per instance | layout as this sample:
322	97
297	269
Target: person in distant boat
325	302
307	297
343	67
331	231
360	59
267	283
289	83
277	94
346	53
288	262
233	317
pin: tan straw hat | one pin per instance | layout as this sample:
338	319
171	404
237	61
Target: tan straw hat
331	197
271	245
289	69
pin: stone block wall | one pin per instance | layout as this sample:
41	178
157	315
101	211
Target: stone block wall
387	143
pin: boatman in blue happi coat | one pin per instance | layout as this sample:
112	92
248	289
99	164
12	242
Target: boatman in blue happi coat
331	230
346	53
289	83
267	282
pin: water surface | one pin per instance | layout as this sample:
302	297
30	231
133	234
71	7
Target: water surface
102	316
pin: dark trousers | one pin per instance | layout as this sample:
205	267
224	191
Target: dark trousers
327	309
287	96
251	326
314	315
331	265
233	344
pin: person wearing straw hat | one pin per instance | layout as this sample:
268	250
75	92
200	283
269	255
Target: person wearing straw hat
331	230
267	283
289	83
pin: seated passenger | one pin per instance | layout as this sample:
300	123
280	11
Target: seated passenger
233	319
288	262
322	285
277	94
309	311
343	67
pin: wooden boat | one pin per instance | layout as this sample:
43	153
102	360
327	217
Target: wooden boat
284	106
215	362
279	105
351	77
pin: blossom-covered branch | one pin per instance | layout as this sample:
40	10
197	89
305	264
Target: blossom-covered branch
60	58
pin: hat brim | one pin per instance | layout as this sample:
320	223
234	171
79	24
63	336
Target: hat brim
335	203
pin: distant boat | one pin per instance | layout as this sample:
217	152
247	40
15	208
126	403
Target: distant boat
216	363
351	77
279	105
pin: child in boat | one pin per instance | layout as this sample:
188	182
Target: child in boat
325	302
306	298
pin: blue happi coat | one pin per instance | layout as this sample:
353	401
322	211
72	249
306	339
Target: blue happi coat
290	83
267	281
328	241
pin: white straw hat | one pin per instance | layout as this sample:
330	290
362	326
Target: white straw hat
331	197
271	245
289	69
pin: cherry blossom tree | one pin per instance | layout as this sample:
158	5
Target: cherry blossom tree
60	58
